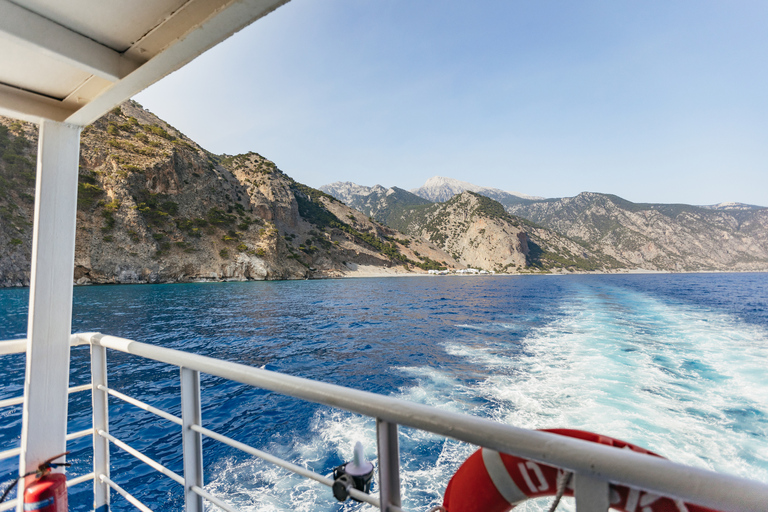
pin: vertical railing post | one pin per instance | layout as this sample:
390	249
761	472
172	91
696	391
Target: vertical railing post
192	441
389	464
592	494
99	400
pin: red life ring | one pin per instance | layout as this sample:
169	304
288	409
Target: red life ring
489	481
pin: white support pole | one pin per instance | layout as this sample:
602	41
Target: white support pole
44	420
389	465
592	494
100	422
192	440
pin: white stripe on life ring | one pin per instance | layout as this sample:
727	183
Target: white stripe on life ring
501	479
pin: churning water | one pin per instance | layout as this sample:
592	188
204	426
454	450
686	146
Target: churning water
674	363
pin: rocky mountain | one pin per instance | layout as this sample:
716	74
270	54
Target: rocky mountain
475	230
17	188
377	202
674	237
347	192
588	232
438	189
733	206
479	233
153	206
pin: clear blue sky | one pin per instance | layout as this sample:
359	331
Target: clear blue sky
655	101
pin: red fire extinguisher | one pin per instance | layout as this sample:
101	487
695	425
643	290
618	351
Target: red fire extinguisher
48	492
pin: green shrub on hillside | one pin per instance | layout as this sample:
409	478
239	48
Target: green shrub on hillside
156	130
87	194
218	218
155	208
109	220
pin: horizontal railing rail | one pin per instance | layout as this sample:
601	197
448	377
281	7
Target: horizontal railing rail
607	464
13	347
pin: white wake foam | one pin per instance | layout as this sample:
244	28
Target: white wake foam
686	383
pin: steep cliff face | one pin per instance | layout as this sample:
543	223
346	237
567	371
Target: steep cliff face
153	207
17	188
658	236
475	230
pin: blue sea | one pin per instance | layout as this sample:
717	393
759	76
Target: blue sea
674	363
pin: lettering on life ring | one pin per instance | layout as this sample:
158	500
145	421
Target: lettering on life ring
489	481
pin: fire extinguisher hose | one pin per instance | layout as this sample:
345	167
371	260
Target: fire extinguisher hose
41	470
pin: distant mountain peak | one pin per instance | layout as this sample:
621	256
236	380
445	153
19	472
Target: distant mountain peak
441	189
347	191
730	206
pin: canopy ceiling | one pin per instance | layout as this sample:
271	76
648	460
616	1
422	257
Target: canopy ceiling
72	60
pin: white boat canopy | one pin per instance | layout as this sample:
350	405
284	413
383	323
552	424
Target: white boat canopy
63	64
72	60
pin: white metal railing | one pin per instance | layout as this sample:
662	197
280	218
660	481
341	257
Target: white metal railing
597	465
19	347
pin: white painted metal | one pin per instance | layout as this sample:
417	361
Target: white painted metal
13	347
79	340
100	404
79	434
192	441
592	494
8	505
31	107
114	24
11	401
44	418
73	61
389	465
142	405
37	78
7	454
361	496
625	467
80	479
208	33
45	37
143	458
125	494
82	387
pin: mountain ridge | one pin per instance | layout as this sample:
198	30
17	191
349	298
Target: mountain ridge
439	189
606	232
155	207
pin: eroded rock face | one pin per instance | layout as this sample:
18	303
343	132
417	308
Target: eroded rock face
474	229
18	149
658	237
154	207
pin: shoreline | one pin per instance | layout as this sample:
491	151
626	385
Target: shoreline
375	272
